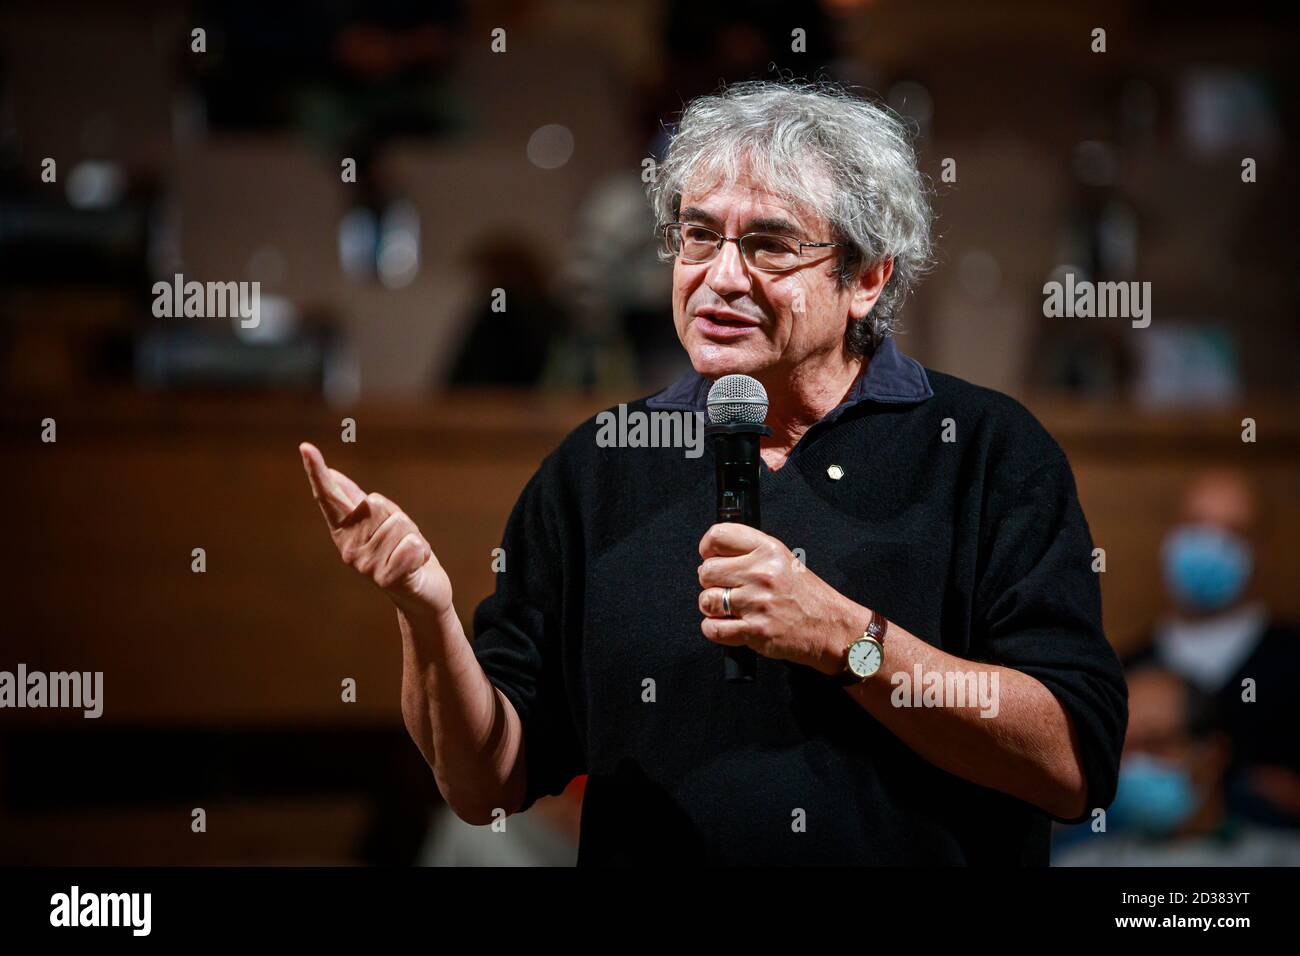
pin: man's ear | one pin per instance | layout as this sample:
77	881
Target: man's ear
867	287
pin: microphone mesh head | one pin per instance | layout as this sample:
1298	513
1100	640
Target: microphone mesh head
734	399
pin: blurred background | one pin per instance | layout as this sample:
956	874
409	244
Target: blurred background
382	168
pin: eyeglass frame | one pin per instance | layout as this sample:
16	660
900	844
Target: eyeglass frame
739	248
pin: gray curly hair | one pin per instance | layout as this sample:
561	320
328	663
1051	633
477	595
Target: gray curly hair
824	150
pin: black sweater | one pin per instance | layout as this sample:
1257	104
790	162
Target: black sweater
976	545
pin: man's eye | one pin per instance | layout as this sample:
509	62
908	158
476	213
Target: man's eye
697	234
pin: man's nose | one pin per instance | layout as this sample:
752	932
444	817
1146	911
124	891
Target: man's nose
727	272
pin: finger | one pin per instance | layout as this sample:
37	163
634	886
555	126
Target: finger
723	572
370	514
728	538
712	603
411	554
731	632
333	503
351	490
373	554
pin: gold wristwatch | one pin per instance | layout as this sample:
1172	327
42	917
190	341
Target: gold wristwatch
864	656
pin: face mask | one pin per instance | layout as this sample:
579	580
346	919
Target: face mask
1154	797
1206	568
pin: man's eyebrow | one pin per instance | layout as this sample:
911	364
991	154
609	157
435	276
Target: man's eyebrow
773	224
761	224
696	214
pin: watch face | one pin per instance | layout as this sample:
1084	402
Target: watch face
864	658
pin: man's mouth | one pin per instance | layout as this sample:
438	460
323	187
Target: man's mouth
716	323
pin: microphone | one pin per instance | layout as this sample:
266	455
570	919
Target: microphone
737	409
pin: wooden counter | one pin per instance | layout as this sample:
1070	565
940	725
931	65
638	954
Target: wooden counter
104	521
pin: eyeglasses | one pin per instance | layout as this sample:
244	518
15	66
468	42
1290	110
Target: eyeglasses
761	250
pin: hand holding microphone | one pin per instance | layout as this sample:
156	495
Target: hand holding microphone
757	598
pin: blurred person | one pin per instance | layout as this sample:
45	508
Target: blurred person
1218	634
510	336
1171	805
939	535
619	287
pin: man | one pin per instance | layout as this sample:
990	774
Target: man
939	539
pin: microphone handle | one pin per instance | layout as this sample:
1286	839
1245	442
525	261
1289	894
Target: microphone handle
735	452
740	664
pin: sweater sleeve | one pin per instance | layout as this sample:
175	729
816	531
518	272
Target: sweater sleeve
519	639
1039	603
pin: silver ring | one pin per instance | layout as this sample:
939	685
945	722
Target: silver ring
726	601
